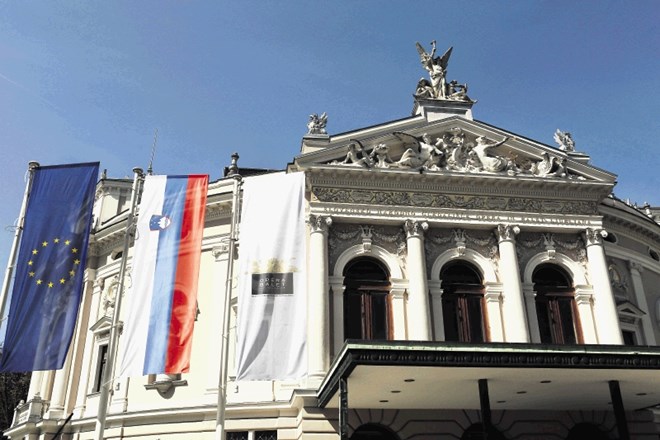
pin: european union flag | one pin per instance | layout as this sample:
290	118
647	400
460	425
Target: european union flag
49	271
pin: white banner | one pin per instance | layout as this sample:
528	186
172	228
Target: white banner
272	307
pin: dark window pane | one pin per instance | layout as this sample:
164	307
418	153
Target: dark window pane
265	435
629	338
237	435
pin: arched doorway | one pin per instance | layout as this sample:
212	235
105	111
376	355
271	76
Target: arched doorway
367	306
555	305
374	431
462	302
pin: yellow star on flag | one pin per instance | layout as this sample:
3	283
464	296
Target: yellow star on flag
76	261
44	244
50	284
72	272
74	250
57	240
39	282
31	274
67	242
30	263
35	252
62	281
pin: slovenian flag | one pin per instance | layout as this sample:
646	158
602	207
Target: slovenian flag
162	301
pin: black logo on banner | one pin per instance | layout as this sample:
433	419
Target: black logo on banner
272	283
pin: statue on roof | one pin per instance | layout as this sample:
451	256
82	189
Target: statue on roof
437	68
565	140
316	124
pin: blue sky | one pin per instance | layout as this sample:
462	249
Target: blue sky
91	80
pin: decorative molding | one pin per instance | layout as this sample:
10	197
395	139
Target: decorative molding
451	217
635	266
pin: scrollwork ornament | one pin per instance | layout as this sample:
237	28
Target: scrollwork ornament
319	223
415	228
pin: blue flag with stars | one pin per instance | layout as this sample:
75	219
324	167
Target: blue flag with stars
48	280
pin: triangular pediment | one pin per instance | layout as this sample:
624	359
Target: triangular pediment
450	146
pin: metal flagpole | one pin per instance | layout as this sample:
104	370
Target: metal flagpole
220	431
108	374
13	253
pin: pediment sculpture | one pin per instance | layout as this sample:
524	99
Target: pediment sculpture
437	87
455	151
316	124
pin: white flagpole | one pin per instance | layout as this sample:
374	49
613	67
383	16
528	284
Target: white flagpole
13	253
220	431
108	376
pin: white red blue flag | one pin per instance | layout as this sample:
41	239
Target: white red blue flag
162	301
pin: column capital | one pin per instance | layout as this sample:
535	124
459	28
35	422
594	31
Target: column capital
635	266
319	223
415	228
593	236
220	250
506	232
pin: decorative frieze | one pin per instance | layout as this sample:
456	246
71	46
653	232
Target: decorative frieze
434	200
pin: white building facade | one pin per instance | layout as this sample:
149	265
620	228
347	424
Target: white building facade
463	282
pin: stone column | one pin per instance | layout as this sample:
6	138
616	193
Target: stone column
606	315
318	322
436	308
65	382
513	306
636	270
419	316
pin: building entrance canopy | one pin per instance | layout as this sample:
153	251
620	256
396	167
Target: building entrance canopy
442	375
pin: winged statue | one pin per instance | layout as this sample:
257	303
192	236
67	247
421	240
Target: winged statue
565	140
316	124
437	68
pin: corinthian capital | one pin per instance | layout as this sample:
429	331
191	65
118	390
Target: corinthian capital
415	229
319	223
506	232
593	236
634	265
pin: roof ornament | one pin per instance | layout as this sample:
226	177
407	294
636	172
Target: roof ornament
438	87
565	140
316	124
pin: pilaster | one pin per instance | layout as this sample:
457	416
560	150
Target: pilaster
636	270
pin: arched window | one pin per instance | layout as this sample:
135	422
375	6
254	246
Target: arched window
366	300
555	305
462	302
